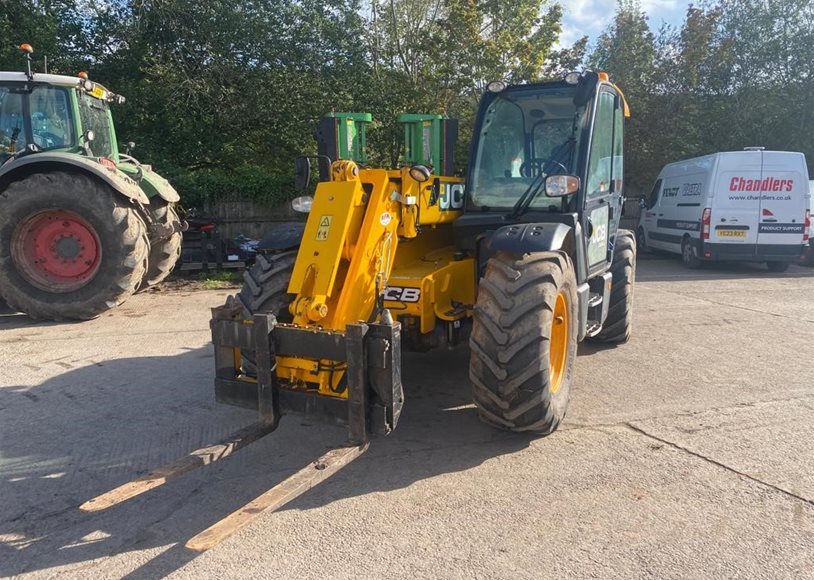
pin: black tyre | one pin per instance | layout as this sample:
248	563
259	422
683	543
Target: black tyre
524	341
70	247
265	289
689	255
265	285
617	325
164	249
778	266
641	240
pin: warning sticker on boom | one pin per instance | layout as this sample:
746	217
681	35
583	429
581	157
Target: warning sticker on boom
324	227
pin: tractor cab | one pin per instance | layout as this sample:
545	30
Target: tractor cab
55	113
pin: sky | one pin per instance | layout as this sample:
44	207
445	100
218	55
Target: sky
590	17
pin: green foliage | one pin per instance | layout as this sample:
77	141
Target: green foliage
222	94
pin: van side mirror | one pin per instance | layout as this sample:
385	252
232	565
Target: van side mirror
642	203
302	173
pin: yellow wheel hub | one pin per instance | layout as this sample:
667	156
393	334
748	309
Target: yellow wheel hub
558	343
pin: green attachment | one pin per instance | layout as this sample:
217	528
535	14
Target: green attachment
350	135
422	140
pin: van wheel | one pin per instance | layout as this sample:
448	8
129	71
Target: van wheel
641	240
688	254
778	266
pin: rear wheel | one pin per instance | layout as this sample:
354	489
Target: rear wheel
778	266
617	325
524	341
689	255
164	249
70	247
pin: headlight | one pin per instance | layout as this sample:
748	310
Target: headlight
302	204
420	173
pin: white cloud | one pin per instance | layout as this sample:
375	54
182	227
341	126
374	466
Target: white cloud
591	17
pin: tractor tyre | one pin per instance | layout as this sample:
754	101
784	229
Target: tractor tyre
70	247
524	341
164	251
617	325
265	289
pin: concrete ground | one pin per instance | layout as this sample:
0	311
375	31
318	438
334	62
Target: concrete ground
686	453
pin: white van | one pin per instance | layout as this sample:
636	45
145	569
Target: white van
750	205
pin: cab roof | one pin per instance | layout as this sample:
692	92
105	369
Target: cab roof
56	80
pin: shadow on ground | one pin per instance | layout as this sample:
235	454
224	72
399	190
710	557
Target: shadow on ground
89	430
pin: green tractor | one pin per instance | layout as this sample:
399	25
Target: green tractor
82	225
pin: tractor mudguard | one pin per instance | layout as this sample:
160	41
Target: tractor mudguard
284	236
42	162
153	184
534	237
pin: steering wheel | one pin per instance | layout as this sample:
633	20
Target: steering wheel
45	139
528	167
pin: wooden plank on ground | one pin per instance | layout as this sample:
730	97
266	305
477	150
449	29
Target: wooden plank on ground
277	496
162	475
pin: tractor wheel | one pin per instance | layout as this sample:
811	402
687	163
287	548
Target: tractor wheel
616	327
164	251
265	287
70	247
524	341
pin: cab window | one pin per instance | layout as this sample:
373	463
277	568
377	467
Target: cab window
653	197
12	129
51	126
602	163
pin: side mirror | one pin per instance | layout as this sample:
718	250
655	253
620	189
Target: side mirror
561	185
642	203
302	173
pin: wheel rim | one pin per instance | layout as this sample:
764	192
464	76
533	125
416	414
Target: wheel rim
56	250
558	343
687	252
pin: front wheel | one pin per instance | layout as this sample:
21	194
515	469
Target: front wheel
641	240
524	341
165	243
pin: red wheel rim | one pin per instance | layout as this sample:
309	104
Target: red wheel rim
56	250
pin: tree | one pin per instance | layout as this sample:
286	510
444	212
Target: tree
626	51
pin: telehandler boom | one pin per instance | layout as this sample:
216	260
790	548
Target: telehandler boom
525	261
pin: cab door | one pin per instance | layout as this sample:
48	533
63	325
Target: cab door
604	179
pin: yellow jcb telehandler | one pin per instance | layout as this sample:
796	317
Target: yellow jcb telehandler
524	259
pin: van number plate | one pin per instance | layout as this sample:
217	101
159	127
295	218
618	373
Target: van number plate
731	233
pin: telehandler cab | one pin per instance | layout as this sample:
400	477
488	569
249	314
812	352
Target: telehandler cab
526	261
